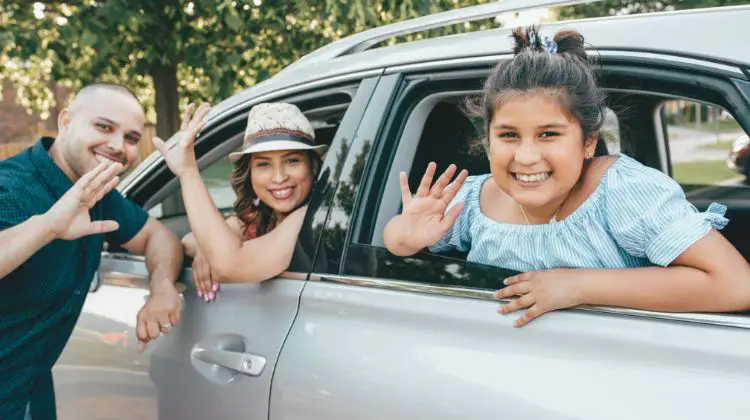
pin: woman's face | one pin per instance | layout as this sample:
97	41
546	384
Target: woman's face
281	179
536	151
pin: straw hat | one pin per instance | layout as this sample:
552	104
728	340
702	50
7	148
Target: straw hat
277	126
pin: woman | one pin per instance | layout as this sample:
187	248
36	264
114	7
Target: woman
273	176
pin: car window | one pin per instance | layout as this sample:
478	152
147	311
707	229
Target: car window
325	114
708	150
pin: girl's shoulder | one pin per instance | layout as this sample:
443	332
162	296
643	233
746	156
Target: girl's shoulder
626	176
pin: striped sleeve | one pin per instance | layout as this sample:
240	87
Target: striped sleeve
649	215
459	235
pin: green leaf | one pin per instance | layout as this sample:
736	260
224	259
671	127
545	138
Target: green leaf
88	39
233	21
234	59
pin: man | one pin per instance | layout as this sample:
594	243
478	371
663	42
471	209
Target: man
57	208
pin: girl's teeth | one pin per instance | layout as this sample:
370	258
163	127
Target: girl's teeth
532	178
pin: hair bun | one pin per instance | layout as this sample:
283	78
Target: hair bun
571	42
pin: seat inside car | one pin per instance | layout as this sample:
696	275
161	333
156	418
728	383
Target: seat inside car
445	139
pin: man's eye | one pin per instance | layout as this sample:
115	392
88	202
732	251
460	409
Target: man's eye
103	127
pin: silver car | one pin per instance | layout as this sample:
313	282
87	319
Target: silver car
353	332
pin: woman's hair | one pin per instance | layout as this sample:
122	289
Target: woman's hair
557	67
245	207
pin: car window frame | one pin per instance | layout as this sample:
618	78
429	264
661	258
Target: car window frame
368	278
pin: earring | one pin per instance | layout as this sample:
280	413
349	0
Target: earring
256	202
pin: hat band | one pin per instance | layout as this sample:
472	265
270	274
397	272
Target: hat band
280	137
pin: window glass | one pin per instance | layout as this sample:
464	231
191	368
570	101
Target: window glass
708	150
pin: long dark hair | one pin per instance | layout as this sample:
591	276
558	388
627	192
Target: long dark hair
260	215
565	74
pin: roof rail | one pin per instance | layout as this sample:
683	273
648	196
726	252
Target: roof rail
366	39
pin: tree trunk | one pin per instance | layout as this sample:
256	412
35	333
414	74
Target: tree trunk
167	110
167	120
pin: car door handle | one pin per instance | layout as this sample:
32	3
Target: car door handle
246	363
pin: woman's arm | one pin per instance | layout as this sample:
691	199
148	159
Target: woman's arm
191	247
228	256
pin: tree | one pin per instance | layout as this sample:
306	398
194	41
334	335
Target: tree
625	7
174	51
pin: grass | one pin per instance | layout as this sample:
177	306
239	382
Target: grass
702	172
722	144
721	126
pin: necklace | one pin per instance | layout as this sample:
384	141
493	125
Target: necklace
552	220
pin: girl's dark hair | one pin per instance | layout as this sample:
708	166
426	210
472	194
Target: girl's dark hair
562	70
244	206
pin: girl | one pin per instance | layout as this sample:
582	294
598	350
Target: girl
584	230
273	176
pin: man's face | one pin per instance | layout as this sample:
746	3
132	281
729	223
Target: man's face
104	125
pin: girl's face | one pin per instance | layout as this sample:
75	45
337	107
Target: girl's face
536	151
281	179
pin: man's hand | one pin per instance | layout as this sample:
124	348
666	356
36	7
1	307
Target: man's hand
159	315
69	217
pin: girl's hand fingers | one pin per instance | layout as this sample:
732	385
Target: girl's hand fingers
424	186
532	313
405	191
455	186
516	304
438	189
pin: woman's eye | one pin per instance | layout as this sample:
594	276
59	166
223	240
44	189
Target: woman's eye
261	164
292	161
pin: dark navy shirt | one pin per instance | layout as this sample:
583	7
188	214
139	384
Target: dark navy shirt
41	300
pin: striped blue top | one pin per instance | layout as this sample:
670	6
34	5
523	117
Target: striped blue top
637	216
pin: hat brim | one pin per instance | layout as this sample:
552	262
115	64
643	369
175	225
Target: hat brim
277	146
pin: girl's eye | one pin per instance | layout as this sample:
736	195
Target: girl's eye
548	134
261	164
507	135
292	161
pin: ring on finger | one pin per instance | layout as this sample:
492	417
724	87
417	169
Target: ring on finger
166	326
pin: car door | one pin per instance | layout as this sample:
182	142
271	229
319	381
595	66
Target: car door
384	337
219	361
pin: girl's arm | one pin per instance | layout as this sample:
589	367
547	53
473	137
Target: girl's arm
710	276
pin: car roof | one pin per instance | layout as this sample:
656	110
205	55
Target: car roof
663	32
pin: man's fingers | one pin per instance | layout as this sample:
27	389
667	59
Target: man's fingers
102	191
153	329
405	191
439	188
140	330
103	226
424	185
100	183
